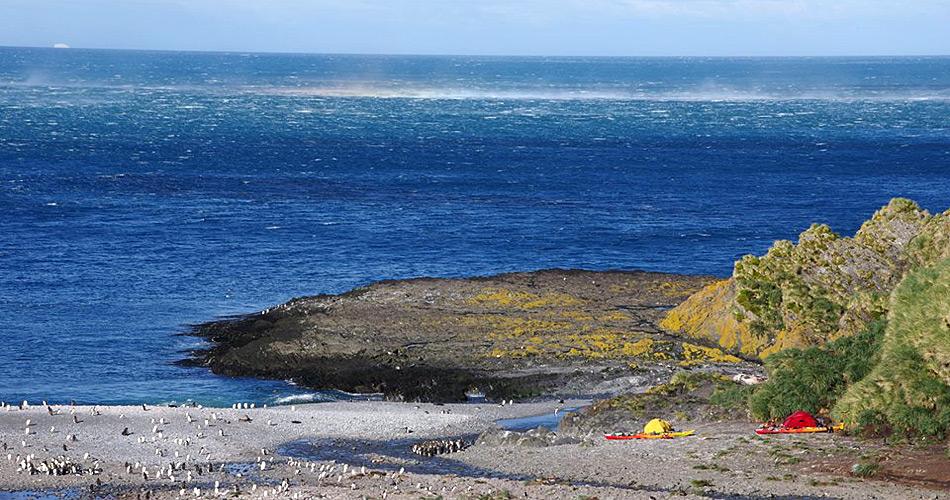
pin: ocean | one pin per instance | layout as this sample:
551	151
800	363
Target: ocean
142	192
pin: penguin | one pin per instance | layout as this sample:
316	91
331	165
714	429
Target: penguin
126	432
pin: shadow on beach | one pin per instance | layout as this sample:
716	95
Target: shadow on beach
396	455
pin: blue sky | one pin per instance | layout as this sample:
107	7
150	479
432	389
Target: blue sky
525	27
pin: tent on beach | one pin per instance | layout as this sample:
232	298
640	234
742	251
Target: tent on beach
657	426
800	420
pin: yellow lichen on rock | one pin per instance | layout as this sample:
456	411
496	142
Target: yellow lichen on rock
601	343
499	326
697	354
614	316
500	297
672	289
594	344
708	315
638	349
575	315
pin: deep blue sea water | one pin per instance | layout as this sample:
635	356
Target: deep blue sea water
144	191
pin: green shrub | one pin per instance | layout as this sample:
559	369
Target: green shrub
865	469
813	379
908	392
731	395
822	287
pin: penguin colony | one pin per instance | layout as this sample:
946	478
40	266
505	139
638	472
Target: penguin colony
435	447
188	471
58	466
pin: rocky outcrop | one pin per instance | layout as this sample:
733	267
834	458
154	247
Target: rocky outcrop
540	437
686	397
510	335
823	287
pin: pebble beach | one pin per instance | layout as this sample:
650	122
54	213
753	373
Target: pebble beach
362	450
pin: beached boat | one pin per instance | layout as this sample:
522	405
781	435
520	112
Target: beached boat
621	436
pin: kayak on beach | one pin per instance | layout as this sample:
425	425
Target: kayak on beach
800	430
621	436
655	429
799	422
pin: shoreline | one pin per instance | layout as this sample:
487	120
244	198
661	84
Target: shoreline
359	449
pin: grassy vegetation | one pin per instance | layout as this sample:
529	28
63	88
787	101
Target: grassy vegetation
865	469
731	396
797	294
932	244
782	455
815	312
908	391
894	377
822	287
814	379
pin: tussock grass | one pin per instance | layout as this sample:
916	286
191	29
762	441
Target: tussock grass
813	379
908	391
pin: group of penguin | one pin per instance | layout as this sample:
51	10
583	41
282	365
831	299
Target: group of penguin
435	447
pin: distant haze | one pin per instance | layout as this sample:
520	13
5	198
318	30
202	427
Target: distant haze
502	27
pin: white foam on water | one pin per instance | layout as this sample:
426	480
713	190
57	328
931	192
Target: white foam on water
701	94
313	397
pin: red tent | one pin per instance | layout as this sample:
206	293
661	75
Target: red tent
799	419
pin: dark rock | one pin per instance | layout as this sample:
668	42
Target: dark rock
508	336
534	438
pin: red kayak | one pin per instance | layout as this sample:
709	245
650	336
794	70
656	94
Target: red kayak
800	430
643	435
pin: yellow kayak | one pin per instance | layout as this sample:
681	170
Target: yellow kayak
622	436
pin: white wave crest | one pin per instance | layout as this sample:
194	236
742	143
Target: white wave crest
702	94
312	397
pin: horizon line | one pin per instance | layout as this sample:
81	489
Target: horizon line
433	54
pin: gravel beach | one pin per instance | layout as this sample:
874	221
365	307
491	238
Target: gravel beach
361	450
